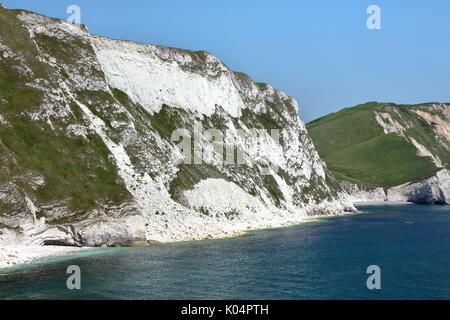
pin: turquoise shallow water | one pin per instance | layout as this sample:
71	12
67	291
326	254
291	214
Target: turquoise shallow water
326	259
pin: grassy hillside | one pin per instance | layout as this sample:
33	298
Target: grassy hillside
356	149
76	170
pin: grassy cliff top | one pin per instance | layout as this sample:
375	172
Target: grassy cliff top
356	148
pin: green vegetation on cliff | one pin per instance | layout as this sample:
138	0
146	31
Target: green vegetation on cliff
356	148
75	170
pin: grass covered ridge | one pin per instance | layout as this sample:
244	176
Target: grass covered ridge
77	170
356	149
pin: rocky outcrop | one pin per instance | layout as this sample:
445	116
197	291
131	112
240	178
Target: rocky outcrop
434	190
359	193
87	148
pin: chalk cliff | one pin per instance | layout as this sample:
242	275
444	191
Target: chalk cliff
87	148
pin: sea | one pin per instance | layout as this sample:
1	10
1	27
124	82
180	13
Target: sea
384	252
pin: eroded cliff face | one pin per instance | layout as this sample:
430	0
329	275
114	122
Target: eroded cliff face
434	190
86	149
426	127
412	143
360	193
434	137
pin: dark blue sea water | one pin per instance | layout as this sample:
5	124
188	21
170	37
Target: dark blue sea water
326	259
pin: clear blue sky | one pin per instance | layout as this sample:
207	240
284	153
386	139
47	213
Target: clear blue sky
318	51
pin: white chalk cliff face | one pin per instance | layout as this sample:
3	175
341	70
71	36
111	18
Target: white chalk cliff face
360	193
432	190
86	151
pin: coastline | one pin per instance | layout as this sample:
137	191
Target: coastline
213	269
11	256
381	203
